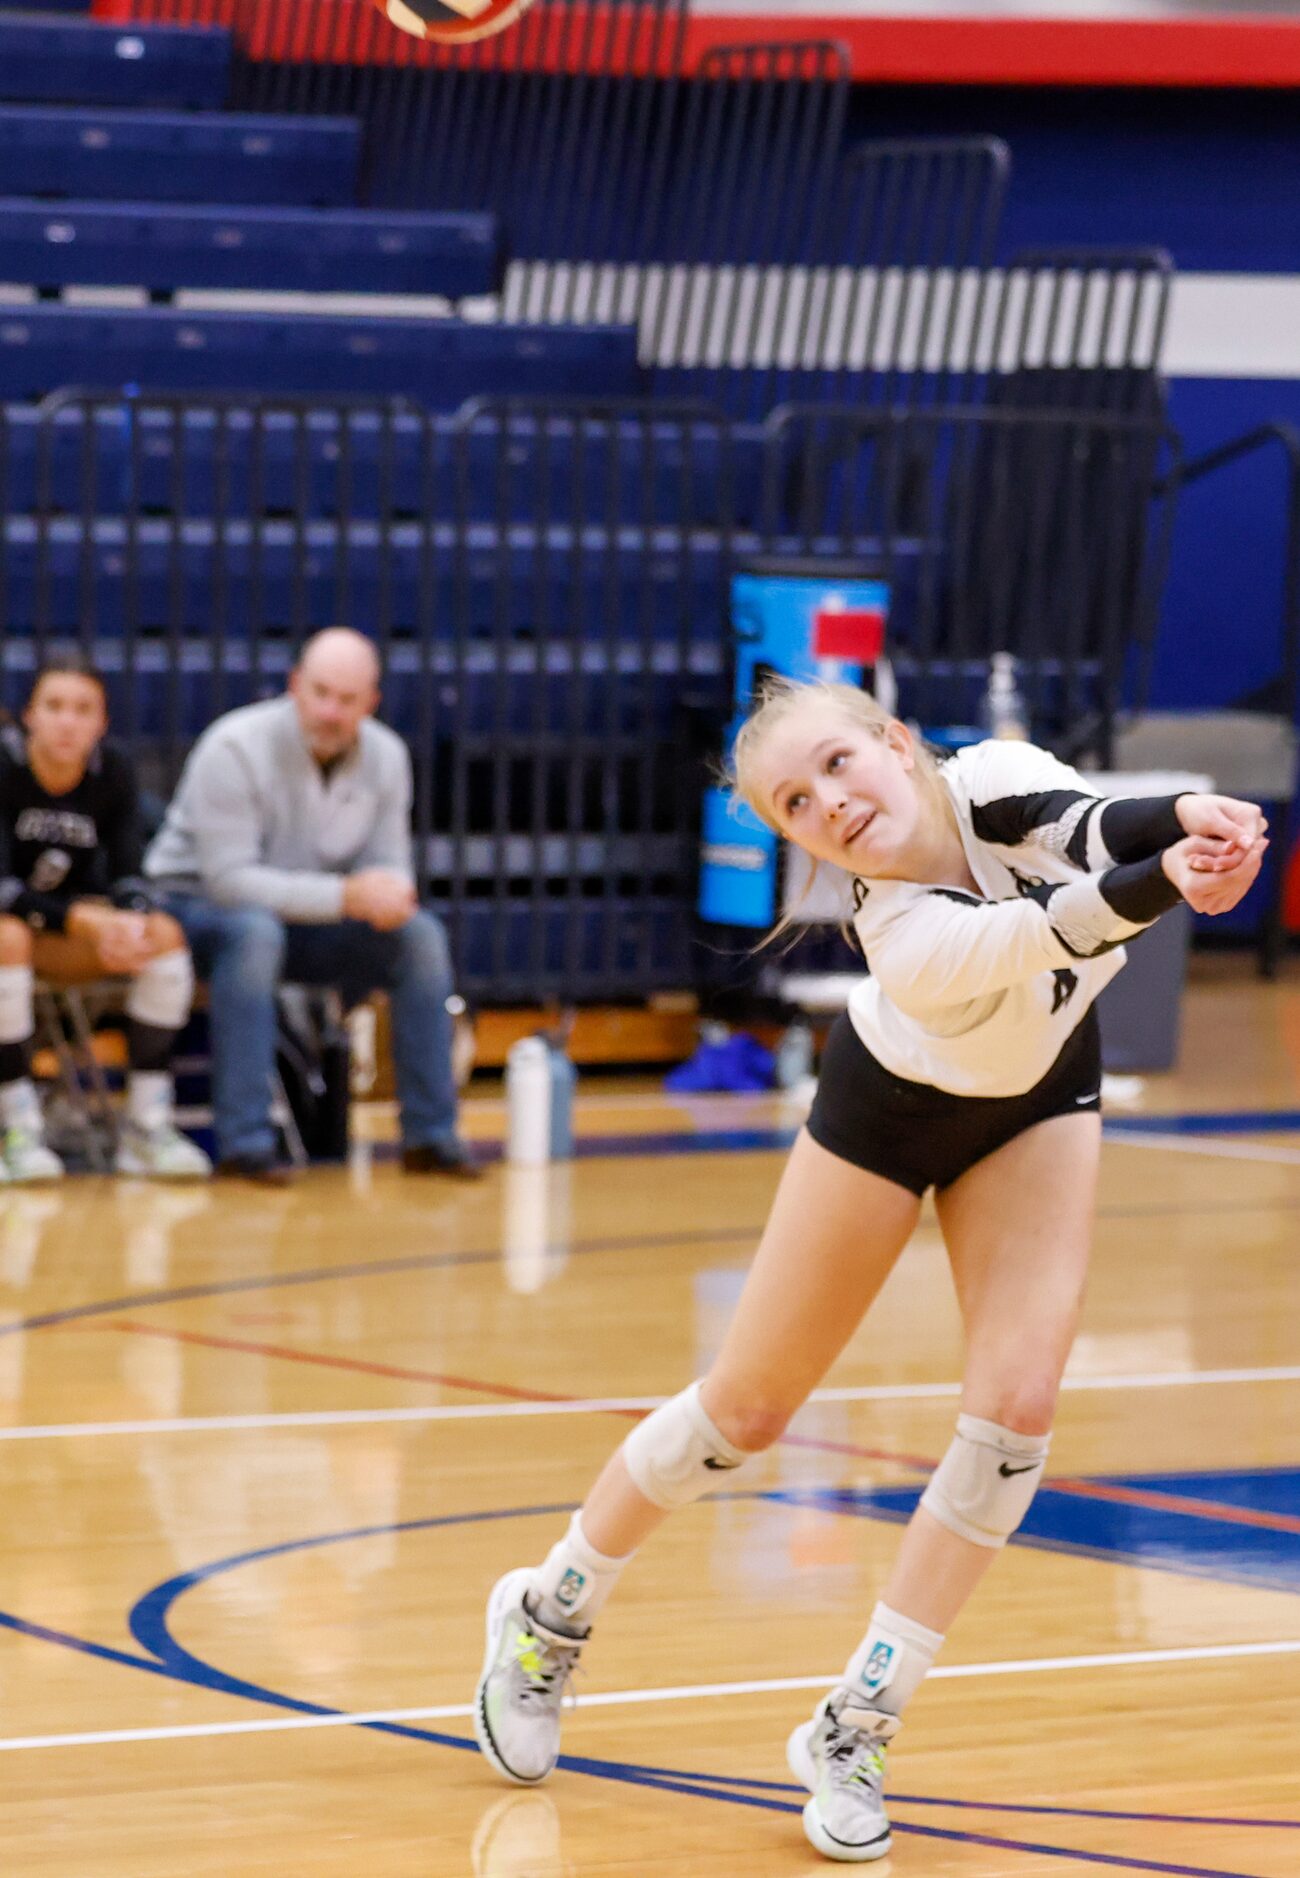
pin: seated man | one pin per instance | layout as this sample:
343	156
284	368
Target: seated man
73	907
286	854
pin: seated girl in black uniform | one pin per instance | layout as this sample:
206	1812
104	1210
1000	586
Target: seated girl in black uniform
73	907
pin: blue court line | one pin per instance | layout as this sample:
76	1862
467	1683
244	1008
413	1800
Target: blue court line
149	1624
771	1140
1261	1489
1222	1122
374	1268
1191	1545
671	1779
625	1773
44	1633
1012	1806
436	1261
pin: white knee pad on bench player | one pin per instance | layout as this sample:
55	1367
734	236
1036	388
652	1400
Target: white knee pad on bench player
676	1454
982	1487
162	991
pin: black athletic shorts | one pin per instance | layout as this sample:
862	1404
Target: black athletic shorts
920	1136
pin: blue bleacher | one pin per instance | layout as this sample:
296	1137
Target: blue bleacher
475	693
231	462
43	59
161	247
517	586
507	947
173	156
436	362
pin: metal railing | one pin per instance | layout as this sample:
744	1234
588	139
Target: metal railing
1040	533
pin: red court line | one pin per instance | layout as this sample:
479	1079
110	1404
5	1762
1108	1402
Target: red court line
1157	1500
1083	1489
364	1366
324	1360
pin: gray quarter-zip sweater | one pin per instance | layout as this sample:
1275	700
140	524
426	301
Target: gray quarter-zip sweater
256	822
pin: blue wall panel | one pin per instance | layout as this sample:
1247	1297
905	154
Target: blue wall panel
1222	616
1212	176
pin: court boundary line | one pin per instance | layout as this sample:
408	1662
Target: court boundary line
1096	1488
689	1692
597	1405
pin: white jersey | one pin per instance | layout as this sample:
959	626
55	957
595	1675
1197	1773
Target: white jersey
977	994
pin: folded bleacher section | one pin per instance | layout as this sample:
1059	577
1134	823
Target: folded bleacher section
705	337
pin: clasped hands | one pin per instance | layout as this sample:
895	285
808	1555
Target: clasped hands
123	941
1218	861
379	898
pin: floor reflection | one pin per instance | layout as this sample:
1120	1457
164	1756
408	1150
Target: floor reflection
519	1837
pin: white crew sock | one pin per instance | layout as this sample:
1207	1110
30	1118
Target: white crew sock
574	1581
149	1099
891	1662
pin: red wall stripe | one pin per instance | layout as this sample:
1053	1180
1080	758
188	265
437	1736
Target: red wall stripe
1244	52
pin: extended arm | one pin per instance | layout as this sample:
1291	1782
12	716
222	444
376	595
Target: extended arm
947	947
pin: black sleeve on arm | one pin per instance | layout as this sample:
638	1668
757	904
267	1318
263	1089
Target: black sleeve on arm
1011	820
1139	891
43	912
1136	827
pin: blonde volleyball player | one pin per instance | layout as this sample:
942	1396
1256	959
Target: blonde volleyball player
993	892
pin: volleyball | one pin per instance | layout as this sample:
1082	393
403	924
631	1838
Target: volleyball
452	22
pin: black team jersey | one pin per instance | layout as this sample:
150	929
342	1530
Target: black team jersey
54	849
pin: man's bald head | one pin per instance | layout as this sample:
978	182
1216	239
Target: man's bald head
342	655
335	686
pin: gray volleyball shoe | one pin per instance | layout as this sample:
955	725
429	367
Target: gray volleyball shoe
527	1670
840	1757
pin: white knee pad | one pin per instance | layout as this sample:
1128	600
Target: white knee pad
15	1003
982	1487
162	991
676	1454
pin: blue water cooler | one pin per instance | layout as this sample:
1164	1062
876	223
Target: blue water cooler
798	624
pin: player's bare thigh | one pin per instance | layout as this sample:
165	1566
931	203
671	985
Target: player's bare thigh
831	1240
71	959
1018	1227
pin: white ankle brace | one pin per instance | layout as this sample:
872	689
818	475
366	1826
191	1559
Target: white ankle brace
575	1579
891	1662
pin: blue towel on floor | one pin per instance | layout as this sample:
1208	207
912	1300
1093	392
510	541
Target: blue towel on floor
739	1064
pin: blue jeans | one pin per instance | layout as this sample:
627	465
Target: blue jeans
244	953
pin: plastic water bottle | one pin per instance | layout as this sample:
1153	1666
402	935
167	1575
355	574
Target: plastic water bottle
539	1103
1004	705
794	1055
564	1079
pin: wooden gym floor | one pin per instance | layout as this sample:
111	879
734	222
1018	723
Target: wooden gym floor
264	1454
